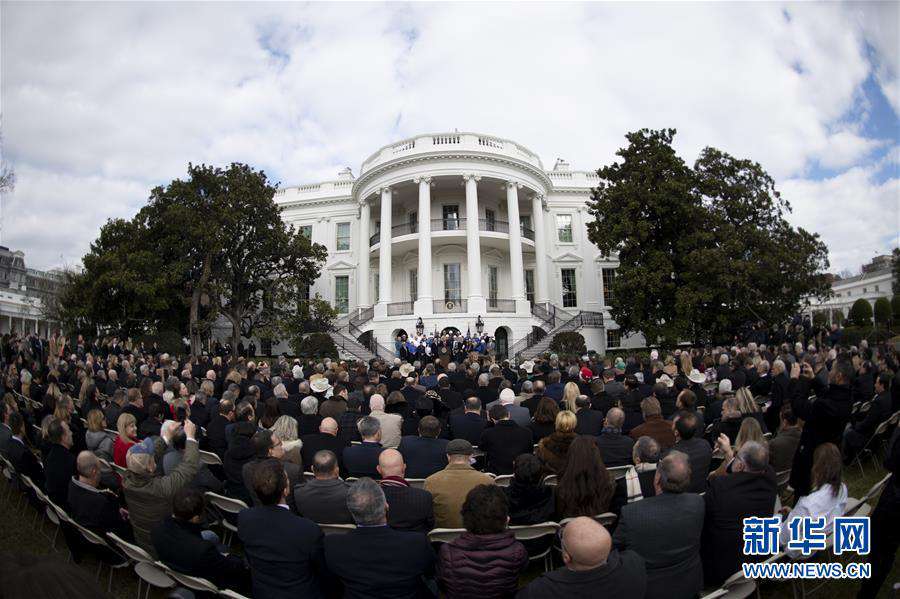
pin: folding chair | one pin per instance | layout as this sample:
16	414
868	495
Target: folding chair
209	458
144	566
444	535
503	480
607	520
619	471
106	553
861	507
739	587
880	432
226	505
308	476
231	594
194	583
538	541
417	483
550	480
337	529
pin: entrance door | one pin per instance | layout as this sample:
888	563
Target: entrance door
501	343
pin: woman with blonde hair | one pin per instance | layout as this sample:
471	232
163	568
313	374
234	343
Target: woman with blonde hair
98	439
553	450
285	428
127	427
749	408
749	431
570	394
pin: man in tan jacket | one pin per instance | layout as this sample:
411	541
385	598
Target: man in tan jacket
450	486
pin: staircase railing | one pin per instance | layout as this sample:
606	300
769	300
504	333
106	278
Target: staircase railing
582	319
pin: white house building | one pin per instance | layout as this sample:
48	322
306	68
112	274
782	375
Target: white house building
22	293
875	281
448	227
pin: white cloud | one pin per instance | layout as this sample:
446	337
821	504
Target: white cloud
102	101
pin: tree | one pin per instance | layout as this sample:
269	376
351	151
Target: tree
895	308
568	343
861	313
702	250
895	263
882	311
7	174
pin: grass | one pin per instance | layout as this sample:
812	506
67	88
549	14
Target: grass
18	531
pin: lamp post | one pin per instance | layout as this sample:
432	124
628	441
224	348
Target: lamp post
479	325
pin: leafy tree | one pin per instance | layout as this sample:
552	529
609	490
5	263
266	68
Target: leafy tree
882	311
315	345
895	307
702	250
837	317
568	343
895	284
861	313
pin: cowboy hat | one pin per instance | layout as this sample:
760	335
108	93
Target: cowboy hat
696	377
528	366
406	369
320	385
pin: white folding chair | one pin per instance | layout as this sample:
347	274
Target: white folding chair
550	480
308	476
337	529
99	542
209	458
503	480
417	483
619	471
533	532
444	535
194	583
144	566
228	505
231	594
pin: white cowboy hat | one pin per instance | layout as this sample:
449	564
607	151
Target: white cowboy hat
406	370
320	385
665	379
696	376
528	366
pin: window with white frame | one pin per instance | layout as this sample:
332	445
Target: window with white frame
342	294
413	285
564	228
342	243
490	220
529	285
608	275
413	222
569	288
613	338
452	283
493	275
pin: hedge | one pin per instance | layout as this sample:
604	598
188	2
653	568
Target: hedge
882	311
568	342
861	313
853	335
315	346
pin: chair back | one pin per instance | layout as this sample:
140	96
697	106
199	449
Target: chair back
550	480
226	504
309	476
132	551
208	457
445	535
619	471
337	529
231	594
418	483
195	583
503	480
535	531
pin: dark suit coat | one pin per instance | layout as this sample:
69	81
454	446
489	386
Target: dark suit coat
323	501
762	385
699	455
358	559
179	545
59	468
503	443
97	510
665	530
285	553
25	462
317	442
361	460
290	406
451	397
590	422
824	422
622	576
467	426
729	500
215	434
409	508
615	448
294	474
308	424
423	456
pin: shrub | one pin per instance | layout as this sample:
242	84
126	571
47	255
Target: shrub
820	318
569	342
861	313
853	335
315	346
168	341
895	308
837	317
882	311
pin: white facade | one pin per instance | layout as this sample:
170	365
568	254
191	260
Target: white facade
22	291
870	285
452	226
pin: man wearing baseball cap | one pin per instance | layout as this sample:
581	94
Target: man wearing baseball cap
450	486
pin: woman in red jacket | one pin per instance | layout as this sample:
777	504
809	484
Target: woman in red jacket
486	560
127	427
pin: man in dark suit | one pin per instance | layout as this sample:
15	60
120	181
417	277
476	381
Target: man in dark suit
268	445
215	431
450	397
180	544
856	437
375	560
285	551
59	463
695	448
590	422
504	442
410	508
470	424
95	509
779	394
592	567
427	453
326	439
323	499
665	530
362	460
23	460
614	446
748	491
762	385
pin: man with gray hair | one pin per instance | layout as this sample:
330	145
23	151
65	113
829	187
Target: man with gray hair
94	508
748	491
665	530
614	446
358	557
645	456
362	459
309	420
391	424
779	395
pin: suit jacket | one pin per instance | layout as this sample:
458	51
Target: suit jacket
293	471
615	448
699	454
59	468
423	456
622	576
290	406
285	553
590	422
783	447
503	443
467	426
358	559
659	429
361	460
729	500
665	530
5	436
25	462
449	488
323	501
215	435
179	545
317	442
97	510
409	508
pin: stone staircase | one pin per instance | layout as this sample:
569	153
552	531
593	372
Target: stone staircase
345	332
556	320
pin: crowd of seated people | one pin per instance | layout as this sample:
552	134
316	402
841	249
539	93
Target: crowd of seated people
678	448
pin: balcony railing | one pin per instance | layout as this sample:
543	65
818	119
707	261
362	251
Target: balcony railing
493	225
404	229
448	224
527	233
451	224
501	305
399	308
450	306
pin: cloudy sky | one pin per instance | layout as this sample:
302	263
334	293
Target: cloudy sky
100	102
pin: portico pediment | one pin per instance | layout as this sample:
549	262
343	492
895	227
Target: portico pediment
568	257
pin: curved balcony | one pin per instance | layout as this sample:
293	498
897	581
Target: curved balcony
451	142
452	224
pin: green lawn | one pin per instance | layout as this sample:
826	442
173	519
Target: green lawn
17	533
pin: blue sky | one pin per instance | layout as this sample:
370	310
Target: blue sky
101	102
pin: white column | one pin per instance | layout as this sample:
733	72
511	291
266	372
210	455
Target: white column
477	305
517	271
384	255
540	250
362	283
424	305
